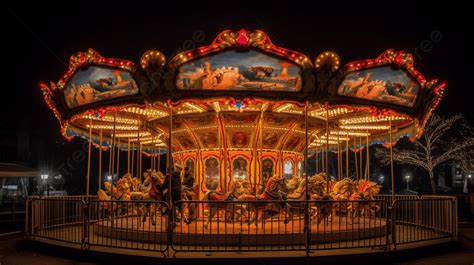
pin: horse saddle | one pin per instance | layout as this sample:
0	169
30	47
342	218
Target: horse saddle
154	194
220	196
189	192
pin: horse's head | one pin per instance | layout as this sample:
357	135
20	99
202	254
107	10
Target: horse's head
122	185
343	188
241	188
108	186
293	183
127	176
103	195
368	188
157	177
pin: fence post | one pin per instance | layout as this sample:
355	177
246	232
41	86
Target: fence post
393	214
85	224
387	229
27	214
307	227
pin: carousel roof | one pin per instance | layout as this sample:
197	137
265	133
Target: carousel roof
240	92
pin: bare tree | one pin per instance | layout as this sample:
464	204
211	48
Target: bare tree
435	146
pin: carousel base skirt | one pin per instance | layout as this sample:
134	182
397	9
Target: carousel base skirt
220	233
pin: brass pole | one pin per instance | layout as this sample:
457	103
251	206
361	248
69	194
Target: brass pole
152	151
128	156
89	158
327	148
338	159
159	158
118	156
113	148
317	159
100	159
391	162
368	156
360	160
306	149
133	160
170	158
347	156
138	155
355	159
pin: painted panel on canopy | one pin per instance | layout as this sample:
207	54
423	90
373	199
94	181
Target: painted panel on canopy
97	83
232	70
383	84
186	141
270	139
313	124
240	119
208	139
164	124
201	120
293	142
279	120
240	139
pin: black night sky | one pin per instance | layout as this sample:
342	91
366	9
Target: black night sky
39	43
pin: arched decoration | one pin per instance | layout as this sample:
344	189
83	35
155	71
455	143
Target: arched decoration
190	166
240	170
211	170
299	168
268	169
288	166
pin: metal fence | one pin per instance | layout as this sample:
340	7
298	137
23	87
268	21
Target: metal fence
123	224
427	218
241	226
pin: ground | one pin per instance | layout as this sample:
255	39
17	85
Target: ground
15	251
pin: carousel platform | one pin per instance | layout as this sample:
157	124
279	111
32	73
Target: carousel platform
219	233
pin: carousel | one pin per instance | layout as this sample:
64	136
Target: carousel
239	133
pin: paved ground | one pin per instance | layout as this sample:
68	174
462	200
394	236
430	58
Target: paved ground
14	251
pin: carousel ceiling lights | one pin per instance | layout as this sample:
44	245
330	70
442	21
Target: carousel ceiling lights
321	113
150	113
132	134
348	133
372	119
111	118
112	127
366	127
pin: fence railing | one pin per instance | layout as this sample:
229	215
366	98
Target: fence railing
124	224
427	218
241	226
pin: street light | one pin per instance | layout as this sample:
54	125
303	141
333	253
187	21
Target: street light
44	178
381	180
109	178
407	177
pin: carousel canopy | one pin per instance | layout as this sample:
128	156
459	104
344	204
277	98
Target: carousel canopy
241	92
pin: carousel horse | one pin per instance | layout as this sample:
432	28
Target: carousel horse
293	200
365	191
322	207
150	190
271	192
293	184
341	191
134	183
111	195
188	209
238	189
